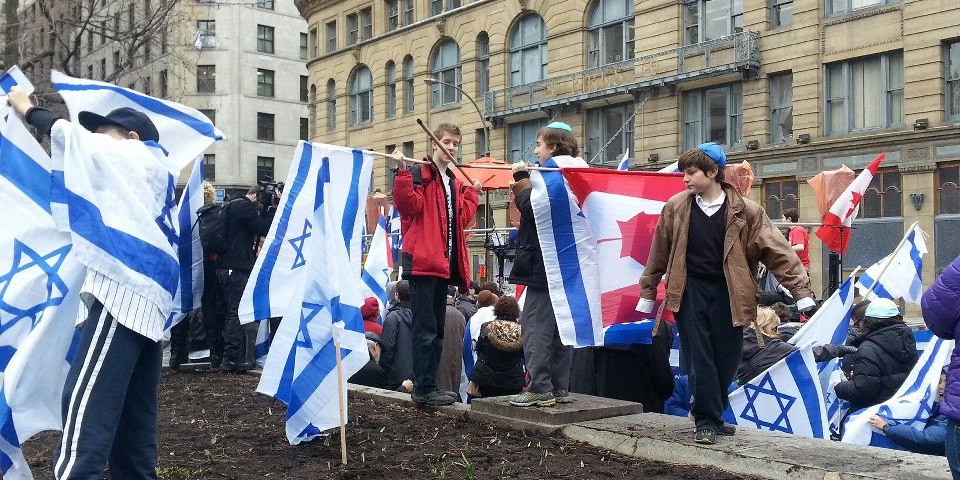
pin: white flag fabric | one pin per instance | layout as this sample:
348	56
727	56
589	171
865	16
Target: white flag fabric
785	398
301	367
14	77
377	268
831	322
912	403
279	269
40	281
624	164
184	132
903	277
189	250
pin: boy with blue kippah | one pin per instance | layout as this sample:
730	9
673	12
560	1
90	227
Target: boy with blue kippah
709	241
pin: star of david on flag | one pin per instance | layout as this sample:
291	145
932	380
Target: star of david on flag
786	398
18	303
297	244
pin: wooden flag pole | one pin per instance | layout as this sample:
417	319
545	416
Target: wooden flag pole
343	420
482	165
436	141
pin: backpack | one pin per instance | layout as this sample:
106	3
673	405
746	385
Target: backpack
212	219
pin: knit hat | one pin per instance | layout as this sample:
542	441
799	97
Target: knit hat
882	308
715	152
370	308
560	126
486	298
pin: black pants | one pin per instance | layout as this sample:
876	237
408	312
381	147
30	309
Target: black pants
213	308
179	336
428	298
710	346
232	283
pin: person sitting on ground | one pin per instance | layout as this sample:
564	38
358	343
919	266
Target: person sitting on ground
370	311
931	439
499	367
371	375
471	332
886	352
762	346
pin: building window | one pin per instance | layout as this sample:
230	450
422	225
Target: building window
331	29
264	82
353	28
391	175
408	84
304	129
359	26
953	80
436	7
407	7
781	13
148	85
481	147
303	46
446	69
206	78
408	149
366	24
90	72
303	88
711	19
116	62
609	133
528	51
483	63
264	39
713	115
393	14
523	140
268	4
837	7
264	169
206	34
781	108
884	196
361	97
864	94
265	126
312	107
611	32
164	92
209	167
391	89
331	105
948	189
210	113
780	194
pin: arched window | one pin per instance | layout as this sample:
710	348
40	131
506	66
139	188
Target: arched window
483	63
408	84
528	51
331	105
611	32
312	110
391	71
446	70
361	97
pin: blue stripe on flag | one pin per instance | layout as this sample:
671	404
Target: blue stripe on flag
134	253
374	287
8	431
204	128
801	375
568	257
840	334
185	250
353	200
7	82
261	289
922	377
916	288
25	173
629	333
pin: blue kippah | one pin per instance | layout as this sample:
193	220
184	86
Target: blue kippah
560	126
715	152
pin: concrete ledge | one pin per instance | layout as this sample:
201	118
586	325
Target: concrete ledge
583	408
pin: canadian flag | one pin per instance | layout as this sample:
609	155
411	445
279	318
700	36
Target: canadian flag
835	228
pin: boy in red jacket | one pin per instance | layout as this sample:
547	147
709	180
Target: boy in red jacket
435	207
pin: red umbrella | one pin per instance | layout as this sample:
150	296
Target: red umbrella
491	178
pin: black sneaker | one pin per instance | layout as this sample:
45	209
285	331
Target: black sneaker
434	398
455	396
705	436
727	430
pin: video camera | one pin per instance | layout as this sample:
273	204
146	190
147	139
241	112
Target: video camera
270	191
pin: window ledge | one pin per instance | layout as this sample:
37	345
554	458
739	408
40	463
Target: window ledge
847	16
359	127
446	108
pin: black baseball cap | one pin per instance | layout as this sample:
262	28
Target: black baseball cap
124	117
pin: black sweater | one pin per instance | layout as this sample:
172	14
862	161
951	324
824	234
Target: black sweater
705	243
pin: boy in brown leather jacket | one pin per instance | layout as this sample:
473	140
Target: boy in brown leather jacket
708	242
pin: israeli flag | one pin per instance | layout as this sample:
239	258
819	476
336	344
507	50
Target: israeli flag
786	398
279	269
672	168
184	132
569	259
377	269
624	164
831	322
395	237
262	347
912	403
301	367
40	281
902	271
189	251
14	77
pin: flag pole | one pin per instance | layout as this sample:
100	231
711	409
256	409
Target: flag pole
889	261
343	420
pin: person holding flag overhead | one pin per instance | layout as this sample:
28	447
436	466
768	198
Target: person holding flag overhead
113	190
435	207
709	241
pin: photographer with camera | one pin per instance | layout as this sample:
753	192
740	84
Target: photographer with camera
247	219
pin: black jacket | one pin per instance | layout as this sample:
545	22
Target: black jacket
755	359
881	364
396	357
244	225
497	370
528	264
467	307
371	375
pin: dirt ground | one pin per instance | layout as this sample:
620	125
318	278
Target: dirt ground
213	426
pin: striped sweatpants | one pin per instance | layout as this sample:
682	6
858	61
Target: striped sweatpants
110	403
